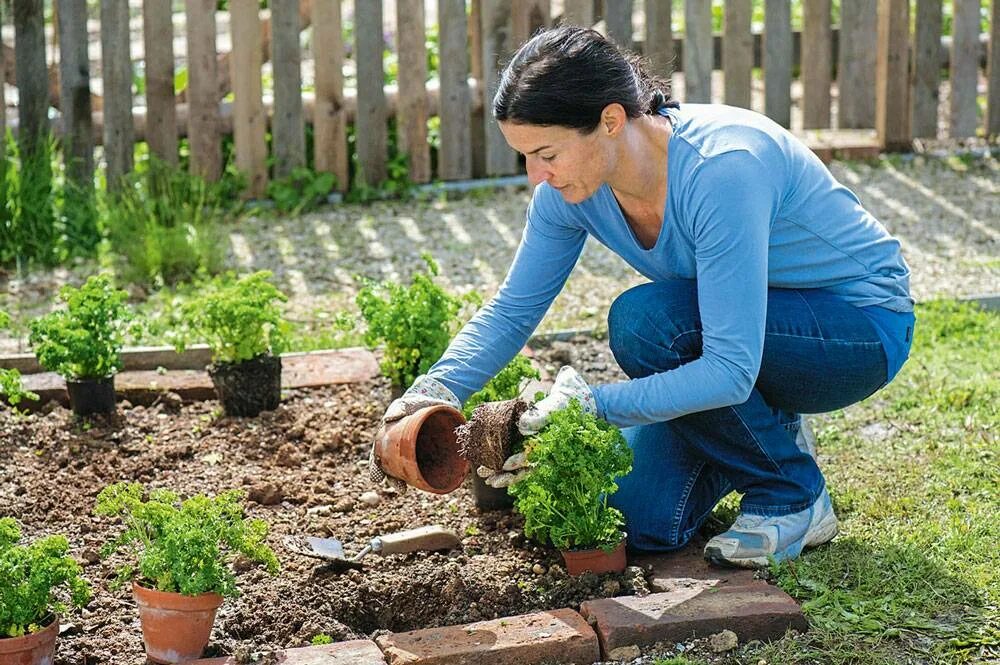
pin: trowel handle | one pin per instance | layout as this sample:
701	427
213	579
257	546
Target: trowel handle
434	537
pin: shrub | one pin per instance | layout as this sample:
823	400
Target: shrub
300	191
36	580
504	386
239	319
564	497
184	547
84	341
414	322
10	379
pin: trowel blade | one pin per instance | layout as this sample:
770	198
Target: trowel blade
327	548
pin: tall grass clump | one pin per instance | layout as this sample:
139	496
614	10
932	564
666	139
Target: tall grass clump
28	233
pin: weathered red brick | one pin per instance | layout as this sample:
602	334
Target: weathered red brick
559	636
353	652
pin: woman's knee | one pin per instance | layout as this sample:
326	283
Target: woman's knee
654	327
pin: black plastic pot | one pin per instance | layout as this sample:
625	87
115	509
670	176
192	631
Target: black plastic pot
90	396
490	498
249	387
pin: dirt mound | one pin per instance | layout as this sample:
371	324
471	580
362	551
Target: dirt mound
491	435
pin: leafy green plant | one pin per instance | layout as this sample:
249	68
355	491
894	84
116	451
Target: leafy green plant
300	191
239	319
414	322
321	638
84	341
28	232
505	385
36	580
564	497
184	546
10	379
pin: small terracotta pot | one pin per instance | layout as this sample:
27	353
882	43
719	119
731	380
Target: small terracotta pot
34	649
246	388
175	627
579	561
422	449
89	396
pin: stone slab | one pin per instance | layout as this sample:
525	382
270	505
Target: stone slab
559	636
353	652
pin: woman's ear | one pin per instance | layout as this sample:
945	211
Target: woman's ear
613	118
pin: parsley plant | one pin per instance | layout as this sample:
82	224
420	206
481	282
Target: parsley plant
504	386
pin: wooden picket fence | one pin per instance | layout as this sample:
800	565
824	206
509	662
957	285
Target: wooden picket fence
888	79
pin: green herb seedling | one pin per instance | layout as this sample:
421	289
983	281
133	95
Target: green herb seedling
504	386
10	379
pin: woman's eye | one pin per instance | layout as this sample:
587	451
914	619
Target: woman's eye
549	158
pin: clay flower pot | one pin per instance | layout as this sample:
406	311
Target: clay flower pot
579	561
175	627
249	387
422	449
34	649
89	396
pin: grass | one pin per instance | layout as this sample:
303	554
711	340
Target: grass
914	576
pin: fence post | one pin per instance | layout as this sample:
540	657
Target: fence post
659	42
370	120
74	94
527	16
3	96
455	155
892	107
329	116
964	68
578	12
856	64
161	104
32	78
993	74
816	64
477	125
249	116
926	71
618	22
287	125
411	106
203	85
698	51
116	70
496	28
737	53
778	61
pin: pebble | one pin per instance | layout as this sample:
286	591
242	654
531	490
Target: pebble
344	505
629	652
538	569
319	511
370	498
724	641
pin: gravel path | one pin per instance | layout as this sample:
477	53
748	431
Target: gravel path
945	210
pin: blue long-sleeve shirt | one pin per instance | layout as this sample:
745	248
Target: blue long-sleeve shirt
748	207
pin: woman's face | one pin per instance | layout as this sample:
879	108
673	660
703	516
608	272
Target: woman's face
573	163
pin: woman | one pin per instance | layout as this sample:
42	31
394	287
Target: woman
772	293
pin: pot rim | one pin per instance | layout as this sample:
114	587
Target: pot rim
595	548
176	600
32	640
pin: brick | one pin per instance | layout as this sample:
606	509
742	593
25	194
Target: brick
559	636
353	652
687	568
754	611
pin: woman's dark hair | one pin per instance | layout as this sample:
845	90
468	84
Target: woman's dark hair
565	76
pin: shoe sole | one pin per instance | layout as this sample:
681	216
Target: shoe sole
821	534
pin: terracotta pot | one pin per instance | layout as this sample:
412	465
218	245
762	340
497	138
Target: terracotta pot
89	396
249	387
579	561
34	649
175	627
422	449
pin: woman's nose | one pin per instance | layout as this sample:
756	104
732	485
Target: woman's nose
537	173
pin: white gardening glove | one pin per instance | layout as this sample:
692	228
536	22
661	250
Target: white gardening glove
425	391
569	385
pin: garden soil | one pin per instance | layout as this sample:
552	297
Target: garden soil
304	469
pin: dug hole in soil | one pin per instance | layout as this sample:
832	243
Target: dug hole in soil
304	468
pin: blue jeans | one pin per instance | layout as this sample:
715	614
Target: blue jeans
820	354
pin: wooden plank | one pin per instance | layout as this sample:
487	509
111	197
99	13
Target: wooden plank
477	126
3	101
963	75
411	122
116	71
856	63
993	74
372	138
203	122
618	22
161	107
737	53
288	129
33	92
74	77
455	155
528	16
778	61
330	116
926	69
497	46
659	43
578	12
697	52
249	117
892	109
817	53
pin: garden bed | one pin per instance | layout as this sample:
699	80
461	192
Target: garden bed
304	467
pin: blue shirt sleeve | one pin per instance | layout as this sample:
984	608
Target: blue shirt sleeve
729	208
549	249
